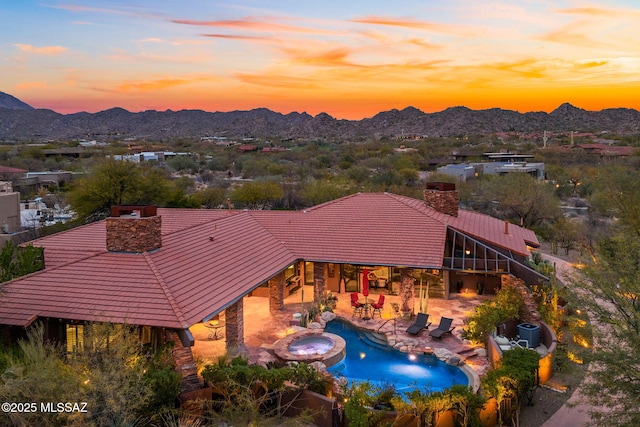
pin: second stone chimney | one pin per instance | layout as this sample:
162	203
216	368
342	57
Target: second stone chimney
134	229
442	196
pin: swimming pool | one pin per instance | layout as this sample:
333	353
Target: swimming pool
383	365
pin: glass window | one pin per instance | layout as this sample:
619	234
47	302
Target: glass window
75	338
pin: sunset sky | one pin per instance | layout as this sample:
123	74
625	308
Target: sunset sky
349	58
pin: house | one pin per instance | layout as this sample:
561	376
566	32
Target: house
170	269
465	171
9	208
605	150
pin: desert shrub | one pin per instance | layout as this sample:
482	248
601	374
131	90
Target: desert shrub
482	322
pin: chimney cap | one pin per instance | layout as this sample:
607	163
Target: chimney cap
441	186
145	210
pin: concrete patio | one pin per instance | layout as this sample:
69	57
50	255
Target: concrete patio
263	328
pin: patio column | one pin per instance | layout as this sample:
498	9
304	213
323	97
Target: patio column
235	325
276	293
319	269
407	293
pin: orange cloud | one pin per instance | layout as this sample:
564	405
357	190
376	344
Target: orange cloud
236	37
570	35
45	50
252	24
286	82
599	12
157	84
334	56
410	23
31	85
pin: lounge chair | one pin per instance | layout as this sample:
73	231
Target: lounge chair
357	306
378	306
443	328
420	324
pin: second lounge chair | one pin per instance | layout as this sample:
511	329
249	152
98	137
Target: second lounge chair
443	328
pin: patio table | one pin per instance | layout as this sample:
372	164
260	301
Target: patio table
366	305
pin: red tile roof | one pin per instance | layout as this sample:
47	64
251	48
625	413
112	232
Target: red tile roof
9	169
211	258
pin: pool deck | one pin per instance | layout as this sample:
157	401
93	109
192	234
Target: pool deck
262	328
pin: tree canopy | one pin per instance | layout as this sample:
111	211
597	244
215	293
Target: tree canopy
115	182
609	291
521	198
16	262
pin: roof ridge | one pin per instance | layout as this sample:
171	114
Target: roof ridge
330	202
273	236
421	209
210	220
165	289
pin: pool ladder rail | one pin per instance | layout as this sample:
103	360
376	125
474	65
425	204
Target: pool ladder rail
395	321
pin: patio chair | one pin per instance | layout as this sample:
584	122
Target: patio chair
357	306
378	306
420	324
443	328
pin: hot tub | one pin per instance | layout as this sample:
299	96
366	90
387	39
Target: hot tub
310	346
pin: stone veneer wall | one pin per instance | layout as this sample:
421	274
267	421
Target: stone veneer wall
134	234
530	314
319	269
445	202
276	293
234	316
407	291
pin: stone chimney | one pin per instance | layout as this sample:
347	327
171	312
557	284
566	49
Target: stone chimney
134	229
442	196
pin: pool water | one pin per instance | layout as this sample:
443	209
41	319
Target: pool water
382	365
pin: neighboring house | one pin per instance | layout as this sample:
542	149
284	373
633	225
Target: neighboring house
536	170
9	210
605	150
8	173
169	269
147	156
462	171
465	171
32	182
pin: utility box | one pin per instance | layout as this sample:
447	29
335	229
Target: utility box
531	333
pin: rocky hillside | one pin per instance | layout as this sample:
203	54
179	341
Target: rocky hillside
18	121
13	103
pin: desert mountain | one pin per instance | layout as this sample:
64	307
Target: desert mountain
13	103
18	121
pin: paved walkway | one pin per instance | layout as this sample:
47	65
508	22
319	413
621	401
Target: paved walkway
572	413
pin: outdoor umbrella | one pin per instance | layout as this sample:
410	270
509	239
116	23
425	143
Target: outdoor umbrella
365	283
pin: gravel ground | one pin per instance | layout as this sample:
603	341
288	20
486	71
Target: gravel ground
547	402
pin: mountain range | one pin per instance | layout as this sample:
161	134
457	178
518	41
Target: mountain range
19	121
